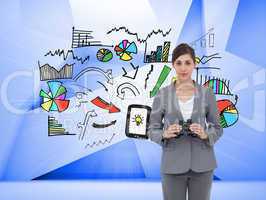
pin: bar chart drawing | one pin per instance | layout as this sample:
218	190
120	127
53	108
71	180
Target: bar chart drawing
218	85
55	128
161	54
204	41
83	38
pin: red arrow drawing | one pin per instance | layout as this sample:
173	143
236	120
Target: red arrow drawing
98	101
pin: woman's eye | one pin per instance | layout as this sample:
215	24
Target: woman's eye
188	63
178	63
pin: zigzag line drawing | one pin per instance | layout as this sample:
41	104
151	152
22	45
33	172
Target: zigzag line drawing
146	79
60	52
136	34
106	141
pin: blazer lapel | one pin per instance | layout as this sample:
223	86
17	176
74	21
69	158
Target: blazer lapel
196	105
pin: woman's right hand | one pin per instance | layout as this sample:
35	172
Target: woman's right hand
172	131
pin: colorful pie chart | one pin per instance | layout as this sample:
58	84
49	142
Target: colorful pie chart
228	113
104	55
54	99
124	50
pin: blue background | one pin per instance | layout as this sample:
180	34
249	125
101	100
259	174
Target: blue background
30	28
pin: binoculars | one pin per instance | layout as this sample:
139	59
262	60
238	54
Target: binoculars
185	131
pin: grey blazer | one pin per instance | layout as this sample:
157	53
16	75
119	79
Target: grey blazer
186	152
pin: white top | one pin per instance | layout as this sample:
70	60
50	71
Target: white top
186	108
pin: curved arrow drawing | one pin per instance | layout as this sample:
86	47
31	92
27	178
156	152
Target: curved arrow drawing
121	90
98	101
105	88
83	126
107	74
95	125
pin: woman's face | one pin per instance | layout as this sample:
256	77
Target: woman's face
184	66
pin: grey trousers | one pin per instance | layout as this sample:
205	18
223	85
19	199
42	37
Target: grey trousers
198	185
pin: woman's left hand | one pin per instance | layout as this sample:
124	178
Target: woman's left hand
197	129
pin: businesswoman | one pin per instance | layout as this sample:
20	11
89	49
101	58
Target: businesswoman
184	120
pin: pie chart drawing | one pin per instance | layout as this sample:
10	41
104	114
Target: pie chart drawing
104	55
228	113
54	99
124	50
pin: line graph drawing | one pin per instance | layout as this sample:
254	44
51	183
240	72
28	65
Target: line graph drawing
96	125
129	86
48	72
67	54
83	38
204	59
134	68
126	30
148	76
107	74
101	142
83	125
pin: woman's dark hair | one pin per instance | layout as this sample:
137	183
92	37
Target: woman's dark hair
182	49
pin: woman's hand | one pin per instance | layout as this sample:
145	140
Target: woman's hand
172	131
197	129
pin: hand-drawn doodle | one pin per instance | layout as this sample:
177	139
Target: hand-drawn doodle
124	50
68	54
107	74
98	101
54	99
104	55
163	75
101	142
48	72
83	38
204	59
83	125
137	121
56	129
135	69
121	90
160	55
147	77
95	125
165	51
80	99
